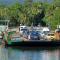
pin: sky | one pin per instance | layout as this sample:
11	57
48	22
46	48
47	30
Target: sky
13	1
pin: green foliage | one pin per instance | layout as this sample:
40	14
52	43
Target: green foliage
32	12
52	14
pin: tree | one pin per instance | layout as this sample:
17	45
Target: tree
52	14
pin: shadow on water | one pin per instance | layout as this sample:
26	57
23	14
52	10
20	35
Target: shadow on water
34	48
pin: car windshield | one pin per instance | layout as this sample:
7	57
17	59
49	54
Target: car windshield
50	34
3	22
24	29
15	37
40	32
34	33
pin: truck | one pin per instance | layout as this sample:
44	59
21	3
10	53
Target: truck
3	26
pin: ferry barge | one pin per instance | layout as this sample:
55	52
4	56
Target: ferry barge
15	39
35	44
32	43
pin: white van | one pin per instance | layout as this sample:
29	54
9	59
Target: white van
46	29
22	28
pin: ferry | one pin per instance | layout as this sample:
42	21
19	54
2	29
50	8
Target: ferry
14	39
19	39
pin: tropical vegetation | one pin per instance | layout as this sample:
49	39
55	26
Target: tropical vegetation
43	13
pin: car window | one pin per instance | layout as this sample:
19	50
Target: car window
24	29
50	34
15	38
34	33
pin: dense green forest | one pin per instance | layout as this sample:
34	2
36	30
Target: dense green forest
45	14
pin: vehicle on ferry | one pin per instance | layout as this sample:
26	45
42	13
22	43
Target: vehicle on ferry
57	34
41	35
3	26
50	36
22	29
34	35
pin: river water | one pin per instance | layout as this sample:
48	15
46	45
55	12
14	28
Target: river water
11	53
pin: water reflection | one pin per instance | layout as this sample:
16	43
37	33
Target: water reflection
3	53
18	54
15	54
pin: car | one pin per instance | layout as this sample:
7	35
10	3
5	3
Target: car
25	34
50	36
34	35
15	38
22	29
41	34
